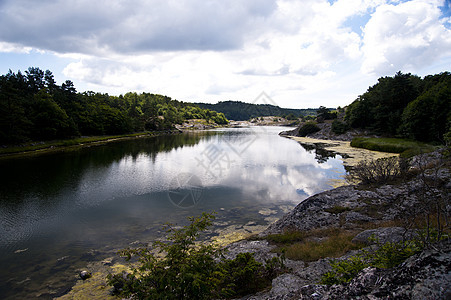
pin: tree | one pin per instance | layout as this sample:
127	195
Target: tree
48	119
35	79
426	118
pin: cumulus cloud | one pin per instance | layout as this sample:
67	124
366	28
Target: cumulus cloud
405	36
303	53
132	26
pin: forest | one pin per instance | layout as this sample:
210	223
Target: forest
241	111
407	106
34	108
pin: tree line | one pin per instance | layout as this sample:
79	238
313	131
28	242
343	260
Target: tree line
241	111
405	105
34	108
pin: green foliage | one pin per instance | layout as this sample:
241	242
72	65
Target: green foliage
392	145
339	127
405	104
181	268
286	237
333	246
426	118
34	108
308	128
324	113
377	171
241	111
344	271
386	256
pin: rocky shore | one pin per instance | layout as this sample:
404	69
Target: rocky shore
381	211
378	211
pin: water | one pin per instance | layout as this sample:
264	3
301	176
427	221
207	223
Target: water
60	211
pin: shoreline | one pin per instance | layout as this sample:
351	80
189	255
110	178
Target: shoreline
96	286
72	144
350	156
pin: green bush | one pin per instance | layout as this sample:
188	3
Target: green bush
339	127
377	171
308	128
344	271
182	268
332	246
386	256
407	148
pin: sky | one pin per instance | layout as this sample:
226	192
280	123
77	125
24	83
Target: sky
300	53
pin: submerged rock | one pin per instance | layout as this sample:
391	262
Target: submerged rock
85	275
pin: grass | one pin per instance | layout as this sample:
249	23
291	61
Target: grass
313	244
406	148
333	246
286	237
50	145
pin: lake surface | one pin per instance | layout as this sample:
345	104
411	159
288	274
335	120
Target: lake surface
60	211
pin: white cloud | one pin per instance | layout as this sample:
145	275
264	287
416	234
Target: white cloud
407	36
10	47
302	53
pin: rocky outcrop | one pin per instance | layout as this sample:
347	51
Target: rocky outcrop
326	133
426	275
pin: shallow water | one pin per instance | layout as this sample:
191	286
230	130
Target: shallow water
60	211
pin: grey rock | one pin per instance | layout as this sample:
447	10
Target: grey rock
352	217
383	235
426	275
313	291
261	249
85	275
285	284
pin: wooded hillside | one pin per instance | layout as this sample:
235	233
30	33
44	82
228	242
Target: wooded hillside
34	108
406	106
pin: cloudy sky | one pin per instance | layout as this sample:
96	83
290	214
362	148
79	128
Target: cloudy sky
302	53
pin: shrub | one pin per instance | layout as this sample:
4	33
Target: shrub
308	128
339	127
388	255
407	148
333	246
377	171
180	268
286	237
344	271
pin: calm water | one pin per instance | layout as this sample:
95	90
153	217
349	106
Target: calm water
60	211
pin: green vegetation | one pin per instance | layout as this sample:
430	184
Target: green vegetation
314	244
392	145
181	268
241	111
70	142
286	237
324	113
381	170
34	108
388	255
339	127
308	128
331	246
405	105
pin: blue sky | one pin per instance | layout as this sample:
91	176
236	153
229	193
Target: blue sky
302	53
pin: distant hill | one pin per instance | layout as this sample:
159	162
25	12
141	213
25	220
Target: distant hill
241	111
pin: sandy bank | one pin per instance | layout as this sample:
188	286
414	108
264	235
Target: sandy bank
349	155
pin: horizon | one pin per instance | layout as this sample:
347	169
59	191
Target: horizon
301	54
